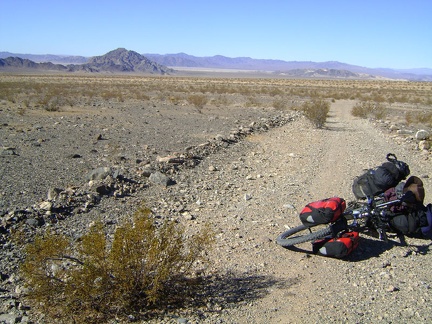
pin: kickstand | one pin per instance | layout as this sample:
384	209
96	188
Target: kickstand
402	239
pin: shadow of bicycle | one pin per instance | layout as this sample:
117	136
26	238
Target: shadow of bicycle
371	247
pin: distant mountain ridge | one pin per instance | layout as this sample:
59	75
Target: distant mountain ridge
116	61
20	63
247	63
124	61
56	59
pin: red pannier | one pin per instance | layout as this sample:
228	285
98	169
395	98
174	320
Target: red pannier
337	247
322	211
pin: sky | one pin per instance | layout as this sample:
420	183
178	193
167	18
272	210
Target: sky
370	33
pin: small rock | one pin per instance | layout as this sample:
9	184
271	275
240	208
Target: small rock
145	173
33	222
392	288
219	138
404	132
289	206
7	151
188	216
45	205
212	168
386	264
247	197
99	173
424	145
160	179
53	193
169	159
422	135
103	189
9	318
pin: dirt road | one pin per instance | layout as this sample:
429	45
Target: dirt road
278	173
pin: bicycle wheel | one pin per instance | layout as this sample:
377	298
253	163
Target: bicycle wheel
285	240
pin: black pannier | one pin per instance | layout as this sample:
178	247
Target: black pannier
376	181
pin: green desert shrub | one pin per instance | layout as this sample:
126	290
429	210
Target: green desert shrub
95	279
316	111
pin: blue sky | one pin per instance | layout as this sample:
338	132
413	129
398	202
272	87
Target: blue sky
370	33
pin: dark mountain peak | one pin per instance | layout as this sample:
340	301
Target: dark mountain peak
120	56
119	53
119	50
123	60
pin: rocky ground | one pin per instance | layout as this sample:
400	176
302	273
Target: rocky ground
247	172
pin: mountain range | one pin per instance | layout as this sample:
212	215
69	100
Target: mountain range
125	61
116	61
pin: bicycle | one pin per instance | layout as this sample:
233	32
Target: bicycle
384	204
360	216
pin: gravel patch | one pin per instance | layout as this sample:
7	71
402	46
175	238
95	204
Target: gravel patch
247	173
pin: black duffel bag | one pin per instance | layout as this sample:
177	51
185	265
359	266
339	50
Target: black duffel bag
375	181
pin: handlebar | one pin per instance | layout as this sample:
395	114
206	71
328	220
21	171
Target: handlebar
375	213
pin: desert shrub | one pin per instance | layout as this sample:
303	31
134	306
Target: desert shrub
365	109
275	92
199	101
316	111
361	109
141	96
379	111
251	101
26	103
175	99
377	97
95	279
21	111
279	104
221	100
419	117
53	105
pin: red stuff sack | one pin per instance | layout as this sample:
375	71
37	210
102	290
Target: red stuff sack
337	247
322	211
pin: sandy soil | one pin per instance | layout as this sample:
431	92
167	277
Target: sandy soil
281	171
250	192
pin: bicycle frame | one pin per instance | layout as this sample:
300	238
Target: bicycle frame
373	212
